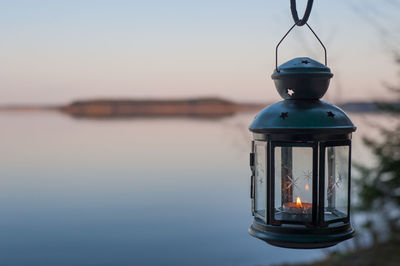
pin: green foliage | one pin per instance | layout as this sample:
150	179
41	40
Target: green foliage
379	185
381	254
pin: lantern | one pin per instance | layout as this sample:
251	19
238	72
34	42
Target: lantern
301	162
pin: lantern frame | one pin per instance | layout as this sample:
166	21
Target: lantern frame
299	234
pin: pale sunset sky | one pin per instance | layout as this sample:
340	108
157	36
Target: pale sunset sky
58	51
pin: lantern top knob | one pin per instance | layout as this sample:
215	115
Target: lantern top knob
302	78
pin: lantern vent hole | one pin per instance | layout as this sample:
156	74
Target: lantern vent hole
290	92
330	114
284	115
305	62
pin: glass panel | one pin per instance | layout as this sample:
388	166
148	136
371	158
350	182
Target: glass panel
293	183
260	181
336	182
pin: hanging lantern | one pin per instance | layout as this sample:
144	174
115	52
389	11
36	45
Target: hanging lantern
301	161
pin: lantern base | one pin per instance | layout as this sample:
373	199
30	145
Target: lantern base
289	236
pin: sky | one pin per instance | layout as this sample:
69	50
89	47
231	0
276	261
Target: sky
58	51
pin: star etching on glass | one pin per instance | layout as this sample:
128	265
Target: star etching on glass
292	182
307	175
259	168
339	179
260	171
335	184
331	189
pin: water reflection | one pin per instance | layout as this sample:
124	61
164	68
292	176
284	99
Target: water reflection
130	192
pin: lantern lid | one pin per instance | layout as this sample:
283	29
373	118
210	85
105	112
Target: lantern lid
302	65
302	117
302	78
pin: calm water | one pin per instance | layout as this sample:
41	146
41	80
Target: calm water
131	192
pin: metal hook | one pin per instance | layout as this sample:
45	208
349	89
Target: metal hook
316	36
303	21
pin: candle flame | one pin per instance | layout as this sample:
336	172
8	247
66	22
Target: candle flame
307	187
298	203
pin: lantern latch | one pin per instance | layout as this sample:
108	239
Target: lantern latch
252	175
252	178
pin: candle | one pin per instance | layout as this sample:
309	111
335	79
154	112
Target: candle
298	207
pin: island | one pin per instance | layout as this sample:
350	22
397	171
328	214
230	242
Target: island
200	107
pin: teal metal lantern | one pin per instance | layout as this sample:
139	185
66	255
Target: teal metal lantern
301	162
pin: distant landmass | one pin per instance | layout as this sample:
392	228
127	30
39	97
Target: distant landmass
365	107
201	107
197	107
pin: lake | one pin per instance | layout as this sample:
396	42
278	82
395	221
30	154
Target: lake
133	192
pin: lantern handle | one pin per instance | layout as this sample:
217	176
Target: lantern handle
279	43
303	21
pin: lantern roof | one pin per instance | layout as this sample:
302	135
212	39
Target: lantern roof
302	117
